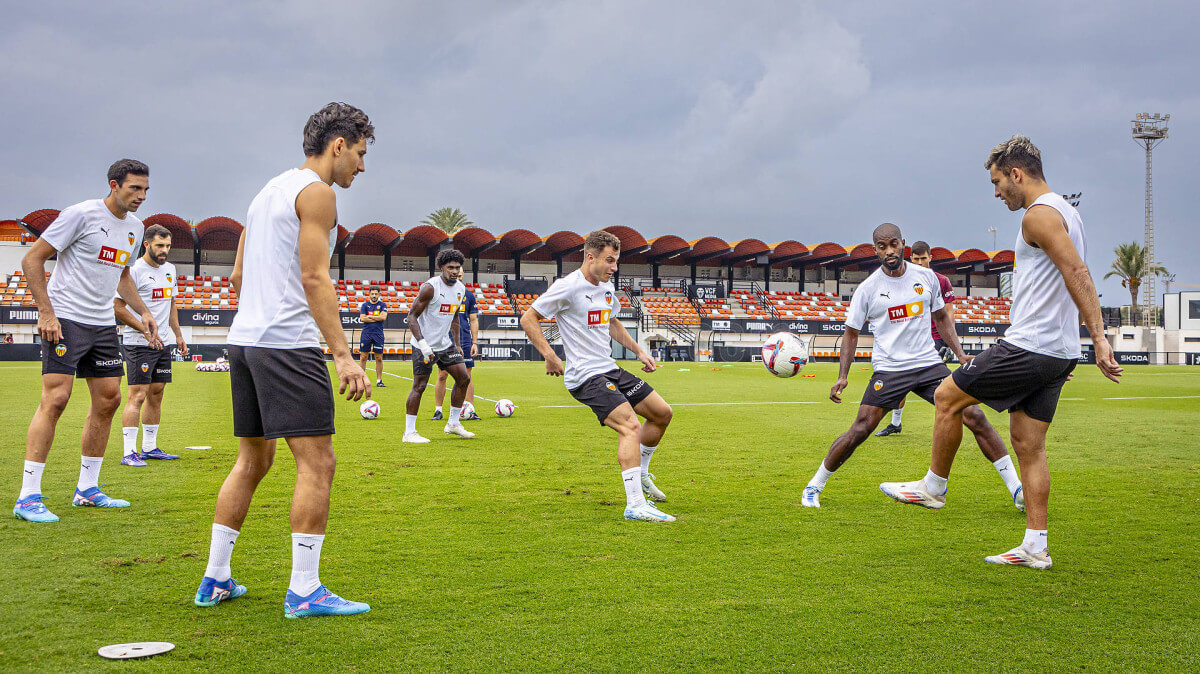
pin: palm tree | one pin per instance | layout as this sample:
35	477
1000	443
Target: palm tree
449	220
1131	266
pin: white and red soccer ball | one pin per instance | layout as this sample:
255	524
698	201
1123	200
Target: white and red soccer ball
784	354
505	408
369	409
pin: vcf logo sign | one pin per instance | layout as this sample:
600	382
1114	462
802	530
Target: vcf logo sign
113	256
599	317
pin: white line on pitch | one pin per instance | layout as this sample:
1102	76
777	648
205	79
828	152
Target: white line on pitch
410	379
1154	398
765	402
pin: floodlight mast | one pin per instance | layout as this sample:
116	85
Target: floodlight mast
1148	131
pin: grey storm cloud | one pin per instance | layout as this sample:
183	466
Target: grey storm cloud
773	120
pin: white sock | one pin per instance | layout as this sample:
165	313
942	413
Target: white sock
935	484
633	487
89	472
896	414
822	476
129	435
1008	473
438	409
647	453
31	479
149	437
306	563
410	423
220	549
1035	540
455	413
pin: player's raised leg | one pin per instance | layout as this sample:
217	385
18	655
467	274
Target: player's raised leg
56	392
657	414
930	491
462	379
106	398
254	460
843	447
306	595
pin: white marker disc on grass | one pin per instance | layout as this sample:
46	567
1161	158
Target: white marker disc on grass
199	447
140	649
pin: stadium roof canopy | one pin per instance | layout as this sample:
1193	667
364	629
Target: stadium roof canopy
180	229
218	233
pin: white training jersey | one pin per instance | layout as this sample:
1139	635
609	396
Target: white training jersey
94	247
439	314
272	307
1044	318
898	310
582	311
156	285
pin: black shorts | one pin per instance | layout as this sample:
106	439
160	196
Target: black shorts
1007	378
443	359
147	366
84	351
280	393
887	389
608	391
370	344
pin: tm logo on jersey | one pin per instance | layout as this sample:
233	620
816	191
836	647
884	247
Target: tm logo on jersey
113	257
905	312
448	308
599	317
162	293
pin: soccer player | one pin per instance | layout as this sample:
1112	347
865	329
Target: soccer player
896	300
470	346
1024	372
277	370
148	365
921	256
584	303
95	240
372	313
437	338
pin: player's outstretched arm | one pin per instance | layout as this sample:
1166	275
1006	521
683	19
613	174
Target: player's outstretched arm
531	324
1043	227
34	267
318	212
846	359
418	307
617	331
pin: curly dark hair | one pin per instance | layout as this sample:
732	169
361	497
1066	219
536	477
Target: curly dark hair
449	255
336	120
126	167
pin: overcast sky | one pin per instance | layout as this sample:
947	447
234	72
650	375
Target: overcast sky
813	121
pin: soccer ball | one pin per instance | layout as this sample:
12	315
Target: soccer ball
369	409
505	408
467	410
784	354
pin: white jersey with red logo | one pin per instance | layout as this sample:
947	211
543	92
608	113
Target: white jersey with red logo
94	247
439	314
156	285
582	311
898	310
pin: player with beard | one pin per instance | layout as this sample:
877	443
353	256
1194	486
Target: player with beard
897	300
584	304
1024	372
95	241
149	364
277	371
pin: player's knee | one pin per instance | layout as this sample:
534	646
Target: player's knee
629	426
107	402
256	466
55	402
665	416
975	419
946	399
463	382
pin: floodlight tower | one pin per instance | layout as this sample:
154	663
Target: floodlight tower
1148	131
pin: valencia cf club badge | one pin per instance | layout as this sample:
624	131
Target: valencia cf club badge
919	289
610	386
145	367
131	238
61	350
877	385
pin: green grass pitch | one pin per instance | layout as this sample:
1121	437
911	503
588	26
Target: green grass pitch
508	552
